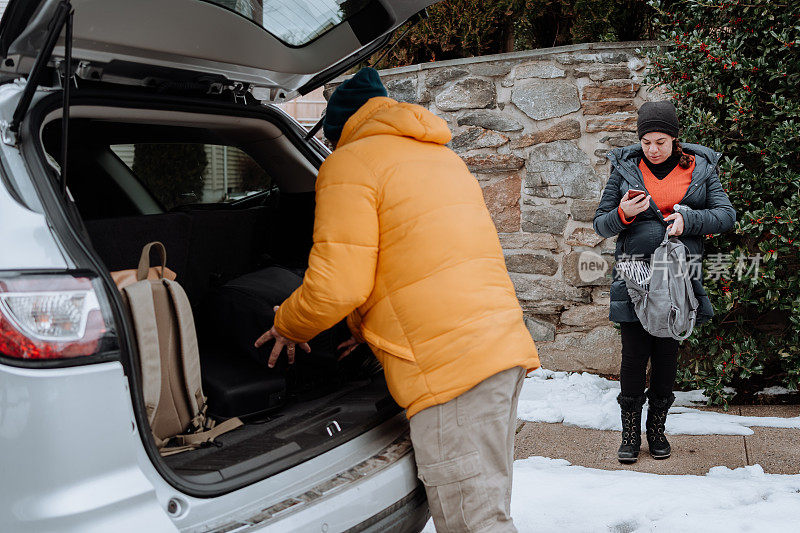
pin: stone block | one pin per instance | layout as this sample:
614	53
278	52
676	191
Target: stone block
493	162
602	72
531	264
621	139
561	131
528	241
608	107
541	330
563	164
541	307
328	90
403	89
596	351
538	70
469	93
601	296
543	219
583	210
502	200
618	122
584	237
585	315
473	138
543	99
613	57
611	89
636	64
438	77
490	120
549	291
544	191
583	269
492	68
575	59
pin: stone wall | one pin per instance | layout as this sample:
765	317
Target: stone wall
534	128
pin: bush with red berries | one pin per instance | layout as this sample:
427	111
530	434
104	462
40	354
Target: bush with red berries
733	70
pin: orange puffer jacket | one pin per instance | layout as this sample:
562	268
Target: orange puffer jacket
404	245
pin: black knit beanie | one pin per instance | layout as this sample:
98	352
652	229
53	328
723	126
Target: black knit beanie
347	98
657	116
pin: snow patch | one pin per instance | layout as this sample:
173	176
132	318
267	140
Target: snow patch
551	495
774	391
589	401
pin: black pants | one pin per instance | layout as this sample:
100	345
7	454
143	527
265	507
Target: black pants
637	347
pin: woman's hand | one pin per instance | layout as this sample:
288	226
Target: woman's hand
349	345
633	206
280	342
676	228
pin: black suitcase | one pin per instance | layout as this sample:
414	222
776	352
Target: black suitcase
237	386
236	314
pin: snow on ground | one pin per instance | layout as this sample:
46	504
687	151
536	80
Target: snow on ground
590	401
775	391
550	495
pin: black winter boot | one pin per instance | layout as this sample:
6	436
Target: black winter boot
657	409
631	407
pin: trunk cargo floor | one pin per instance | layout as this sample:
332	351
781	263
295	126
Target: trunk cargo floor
292	435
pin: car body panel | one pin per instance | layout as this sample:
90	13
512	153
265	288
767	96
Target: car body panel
69	457
27	241
119	39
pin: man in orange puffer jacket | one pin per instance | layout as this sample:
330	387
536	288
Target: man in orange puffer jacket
405	248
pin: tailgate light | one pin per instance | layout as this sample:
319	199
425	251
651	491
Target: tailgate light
44	316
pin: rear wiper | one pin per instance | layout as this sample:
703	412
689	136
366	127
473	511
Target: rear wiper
61	20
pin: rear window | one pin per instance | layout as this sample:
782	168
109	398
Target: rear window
295	22
189	173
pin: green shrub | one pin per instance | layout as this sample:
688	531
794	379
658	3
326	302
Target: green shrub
173	173
467	28
456	29
732	69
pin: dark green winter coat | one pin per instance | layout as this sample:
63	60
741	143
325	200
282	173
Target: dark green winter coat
706	210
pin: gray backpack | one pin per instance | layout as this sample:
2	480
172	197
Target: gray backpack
661	291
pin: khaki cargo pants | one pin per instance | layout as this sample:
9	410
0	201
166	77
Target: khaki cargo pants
465	451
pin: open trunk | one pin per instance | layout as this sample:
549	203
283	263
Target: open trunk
229	192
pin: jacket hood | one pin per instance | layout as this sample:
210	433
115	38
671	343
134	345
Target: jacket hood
619	156
384	116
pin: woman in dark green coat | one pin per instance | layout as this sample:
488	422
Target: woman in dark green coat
681	190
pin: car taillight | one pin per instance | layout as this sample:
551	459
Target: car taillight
54	316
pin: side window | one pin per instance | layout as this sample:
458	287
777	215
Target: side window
190	173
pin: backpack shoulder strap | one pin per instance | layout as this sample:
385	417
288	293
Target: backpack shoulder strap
140	297
678	256
192	441
190	358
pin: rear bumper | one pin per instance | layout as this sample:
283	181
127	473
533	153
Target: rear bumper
380	494
409	515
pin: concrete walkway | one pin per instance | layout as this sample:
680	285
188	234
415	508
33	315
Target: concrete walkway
776	450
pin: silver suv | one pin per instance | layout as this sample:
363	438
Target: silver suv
172	135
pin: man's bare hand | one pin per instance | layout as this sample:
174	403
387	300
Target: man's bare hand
280	342
349	345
